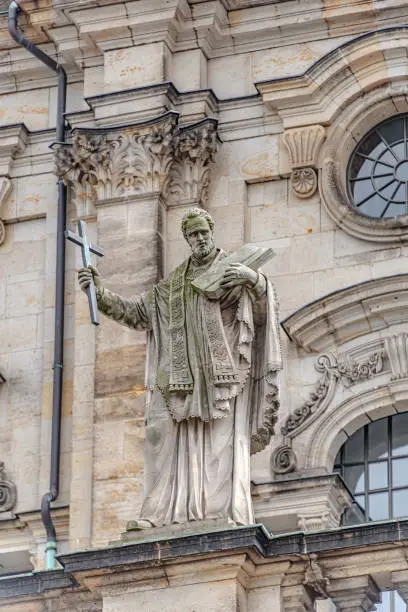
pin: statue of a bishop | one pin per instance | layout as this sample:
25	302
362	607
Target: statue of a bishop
211	379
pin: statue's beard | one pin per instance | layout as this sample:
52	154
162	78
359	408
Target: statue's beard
201	252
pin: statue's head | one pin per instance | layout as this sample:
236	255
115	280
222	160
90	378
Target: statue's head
198	229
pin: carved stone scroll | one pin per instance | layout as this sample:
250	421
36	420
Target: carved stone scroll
334	371
154	157
283	460
5	190
8	491
304	145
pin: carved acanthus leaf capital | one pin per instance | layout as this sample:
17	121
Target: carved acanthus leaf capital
194	157
154	157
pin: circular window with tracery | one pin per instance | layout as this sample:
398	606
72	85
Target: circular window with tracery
378	171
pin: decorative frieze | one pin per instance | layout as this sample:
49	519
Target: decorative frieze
304	145
333	371
153	157
8	491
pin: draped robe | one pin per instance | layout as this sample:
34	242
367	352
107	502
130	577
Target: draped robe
211	392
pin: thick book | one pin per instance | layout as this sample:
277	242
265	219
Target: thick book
209	283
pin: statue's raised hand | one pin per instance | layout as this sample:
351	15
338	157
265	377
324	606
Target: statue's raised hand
86	274
238	274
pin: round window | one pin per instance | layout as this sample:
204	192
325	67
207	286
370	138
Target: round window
378	171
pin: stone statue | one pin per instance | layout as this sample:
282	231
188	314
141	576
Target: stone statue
211	380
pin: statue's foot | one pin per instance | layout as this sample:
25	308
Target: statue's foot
139	525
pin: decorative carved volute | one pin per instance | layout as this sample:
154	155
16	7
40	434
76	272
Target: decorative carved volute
194	158
8	492
5	190
304	145
155	157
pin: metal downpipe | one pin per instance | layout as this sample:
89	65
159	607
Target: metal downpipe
52	494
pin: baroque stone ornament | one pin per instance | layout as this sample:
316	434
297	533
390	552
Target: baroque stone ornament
333	372
304	145
8	491
153	157
5	190
283	460
304	182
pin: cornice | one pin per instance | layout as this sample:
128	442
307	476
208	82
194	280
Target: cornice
337	78
352	312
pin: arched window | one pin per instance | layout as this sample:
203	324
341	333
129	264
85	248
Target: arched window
374	465
378	171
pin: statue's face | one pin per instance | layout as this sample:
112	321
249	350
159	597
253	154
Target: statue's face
199	236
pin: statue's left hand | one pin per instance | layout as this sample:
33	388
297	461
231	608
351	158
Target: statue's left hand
238	274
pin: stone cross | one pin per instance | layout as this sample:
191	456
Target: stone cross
81	239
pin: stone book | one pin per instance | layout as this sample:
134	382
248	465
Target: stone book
249	255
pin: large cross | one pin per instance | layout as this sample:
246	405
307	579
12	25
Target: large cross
81	239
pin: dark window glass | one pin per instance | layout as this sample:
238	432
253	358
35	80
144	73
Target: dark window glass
400	434
354	449
374	465
378	171
378	440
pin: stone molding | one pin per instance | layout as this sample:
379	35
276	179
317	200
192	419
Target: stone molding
5	190
152	157
334	371
348	129
337	78
327	434
305	502
303	145
359	594
328	322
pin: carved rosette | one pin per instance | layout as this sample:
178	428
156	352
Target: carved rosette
303	145
283	460
154	157
5	190
8	491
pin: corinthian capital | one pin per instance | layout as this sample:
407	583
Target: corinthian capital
153	157
102	164
194	157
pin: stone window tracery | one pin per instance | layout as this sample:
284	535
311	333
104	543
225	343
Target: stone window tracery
378	171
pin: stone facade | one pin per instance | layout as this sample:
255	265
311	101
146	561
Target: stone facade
250	109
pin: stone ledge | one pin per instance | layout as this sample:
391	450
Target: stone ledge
33	584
